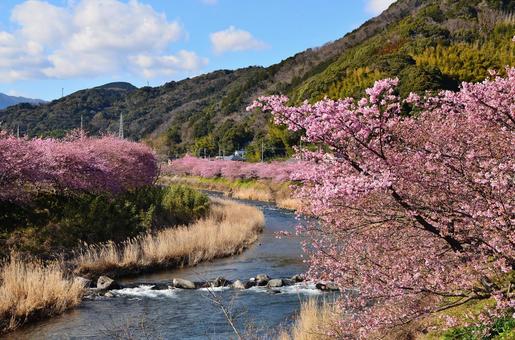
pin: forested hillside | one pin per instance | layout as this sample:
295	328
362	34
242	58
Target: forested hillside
429	45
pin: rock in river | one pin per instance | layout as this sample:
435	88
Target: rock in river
250	283
220	282
327	286
288	282
297	278
238	285
105	282
274	283
182	283
262	279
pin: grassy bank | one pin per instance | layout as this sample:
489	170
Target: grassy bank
435	326
31	290
313	322
228	229
251	189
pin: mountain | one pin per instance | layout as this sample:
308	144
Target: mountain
428	44
6	101
120	86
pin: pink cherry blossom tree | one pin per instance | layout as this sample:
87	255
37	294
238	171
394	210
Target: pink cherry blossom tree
415	210
278	171
106	164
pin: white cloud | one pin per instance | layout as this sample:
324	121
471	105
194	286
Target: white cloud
233	39
19	59
152	66
377	6
88	38
42	22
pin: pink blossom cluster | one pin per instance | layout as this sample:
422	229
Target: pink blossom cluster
414	209
212	168
106	164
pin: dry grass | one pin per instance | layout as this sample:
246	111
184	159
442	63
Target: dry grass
313	323
288	203
228	230
31	290
255	194
257	190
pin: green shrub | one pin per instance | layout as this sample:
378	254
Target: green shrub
55	222
501	329
183	204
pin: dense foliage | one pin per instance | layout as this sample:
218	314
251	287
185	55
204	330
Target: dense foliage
416	210
51	222
442	44
429	45
212	168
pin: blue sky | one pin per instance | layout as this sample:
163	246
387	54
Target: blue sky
76	44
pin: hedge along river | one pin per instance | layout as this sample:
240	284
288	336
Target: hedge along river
191	314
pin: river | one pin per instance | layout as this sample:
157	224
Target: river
191	314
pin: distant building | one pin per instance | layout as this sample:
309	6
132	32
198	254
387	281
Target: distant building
238	156
240	153
233	158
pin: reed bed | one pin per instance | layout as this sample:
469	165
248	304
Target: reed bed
288	203
256	190
31	290
228	229
255	194
314	322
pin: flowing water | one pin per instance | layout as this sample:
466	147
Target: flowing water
194	314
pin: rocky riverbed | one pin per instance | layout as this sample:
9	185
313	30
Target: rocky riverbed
105	286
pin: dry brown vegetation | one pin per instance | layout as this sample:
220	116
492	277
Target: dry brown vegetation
31	290
313	323
255	194
288	203
257	190
228	229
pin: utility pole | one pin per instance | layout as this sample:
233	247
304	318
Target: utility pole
81	123
120	132
18	131
262	151
62	92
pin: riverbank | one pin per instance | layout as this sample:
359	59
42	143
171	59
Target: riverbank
228	229
318	320
313	322
263	190
31	290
